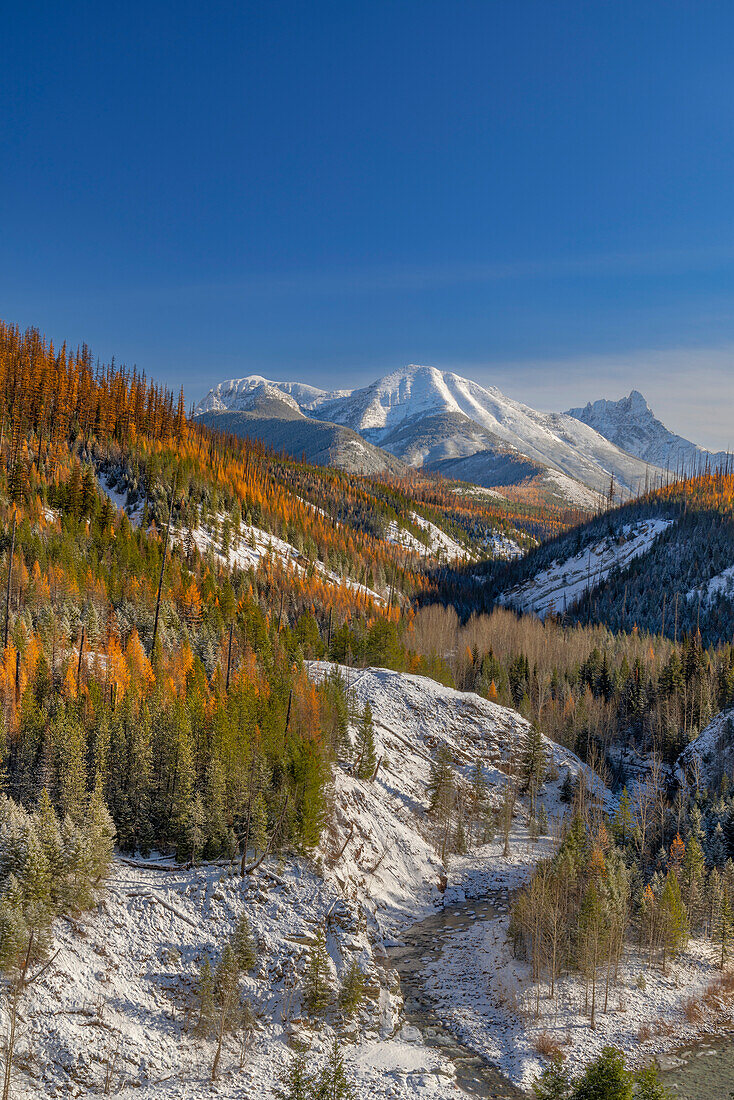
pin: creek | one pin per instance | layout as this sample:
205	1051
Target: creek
699	1071
420	945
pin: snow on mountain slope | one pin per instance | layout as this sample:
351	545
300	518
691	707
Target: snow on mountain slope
704	761
414	715
439	545
631	424
721	584
555	439
557	588
392	413
117	1009
236	394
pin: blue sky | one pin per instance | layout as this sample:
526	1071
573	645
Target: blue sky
537	194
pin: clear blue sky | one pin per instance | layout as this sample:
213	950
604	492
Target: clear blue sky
538	194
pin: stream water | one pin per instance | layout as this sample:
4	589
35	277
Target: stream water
702	1070
699	1071
421	944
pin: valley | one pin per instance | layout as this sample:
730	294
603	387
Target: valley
379	782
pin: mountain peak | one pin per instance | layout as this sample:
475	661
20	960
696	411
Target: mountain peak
637	401
632	426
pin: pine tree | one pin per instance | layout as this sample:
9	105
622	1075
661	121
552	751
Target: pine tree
73	779
259	823
205	999
533	762
554	1082
568	789
296	1082
648	1085
226	985
717	847
244	944
724	929
333	1083
367	759
672	915
623	821
692	873
215	803
352	992
605	1079
317	978
98	833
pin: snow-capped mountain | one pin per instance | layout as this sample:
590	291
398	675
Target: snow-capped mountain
631	424
426	416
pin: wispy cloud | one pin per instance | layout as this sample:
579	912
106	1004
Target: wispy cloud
397	277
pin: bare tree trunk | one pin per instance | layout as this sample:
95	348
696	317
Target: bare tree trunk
10	577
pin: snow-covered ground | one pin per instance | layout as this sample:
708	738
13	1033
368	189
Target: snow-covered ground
118	997
500	546
561	585
439	545
487	998
109	488
703	762
721	584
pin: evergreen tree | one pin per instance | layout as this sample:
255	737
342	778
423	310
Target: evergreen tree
605	1079
717	849
259	823
317	978
333	1083
724	929
191	836
295	1081
226	985
205	999
244	944
672	915
648	1085
367	759
533	762
554	1082
623	821
568	789
352	992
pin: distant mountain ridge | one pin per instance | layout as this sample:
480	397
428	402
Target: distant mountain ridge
631	425
266	413
442	421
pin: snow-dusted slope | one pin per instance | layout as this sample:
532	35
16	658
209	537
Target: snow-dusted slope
555	439
414	716
631	424
117	1007
393	411
237	393
704	761
557	588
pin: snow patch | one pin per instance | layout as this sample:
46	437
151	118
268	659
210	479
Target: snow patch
557	588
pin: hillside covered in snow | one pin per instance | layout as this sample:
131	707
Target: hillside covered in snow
118	1007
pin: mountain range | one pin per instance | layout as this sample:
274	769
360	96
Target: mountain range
420	416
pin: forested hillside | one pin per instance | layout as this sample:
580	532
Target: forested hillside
163	583
679	581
